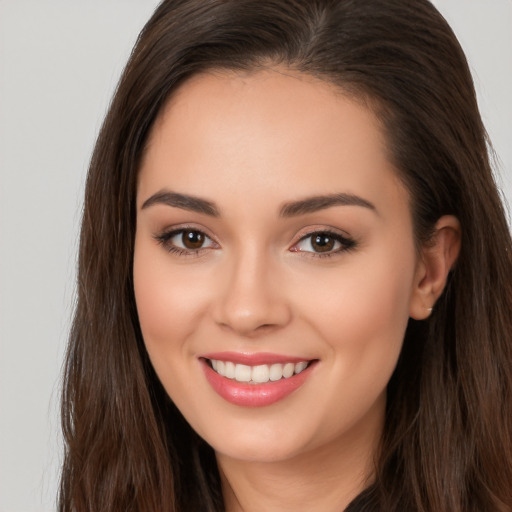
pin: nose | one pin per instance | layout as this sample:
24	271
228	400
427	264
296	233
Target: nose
252	300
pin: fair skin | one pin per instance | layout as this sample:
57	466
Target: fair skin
332	283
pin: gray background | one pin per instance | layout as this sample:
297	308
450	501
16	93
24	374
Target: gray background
59	63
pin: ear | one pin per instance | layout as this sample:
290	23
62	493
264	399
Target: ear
436	260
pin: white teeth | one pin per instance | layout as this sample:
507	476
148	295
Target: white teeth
276	372
221	368
288	370
299	367
242	373
229	370
259	374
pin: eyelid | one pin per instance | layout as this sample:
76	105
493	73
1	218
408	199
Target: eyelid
176	228
313	229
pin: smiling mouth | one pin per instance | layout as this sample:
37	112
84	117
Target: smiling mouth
255	380
259	374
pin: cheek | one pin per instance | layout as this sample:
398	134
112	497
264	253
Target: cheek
378	288
374	310
362	317
168	304
379	300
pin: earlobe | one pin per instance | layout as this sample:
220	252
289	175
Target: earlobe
437	258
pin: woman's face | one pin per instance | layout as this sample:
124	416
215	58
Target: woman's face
273	234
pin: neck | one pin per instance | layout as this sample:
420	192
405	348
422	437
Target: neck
326	478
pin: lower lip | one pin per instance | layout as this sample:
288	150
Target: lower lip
254	395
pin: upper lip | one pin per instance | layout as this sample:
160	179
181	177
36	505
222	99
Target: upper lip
254	358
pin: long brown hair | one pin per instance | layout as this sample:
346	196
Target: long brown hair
447	442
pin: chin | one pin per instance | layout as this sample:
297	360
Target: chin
260	445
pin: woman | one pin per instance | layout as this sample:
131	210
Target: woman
294	271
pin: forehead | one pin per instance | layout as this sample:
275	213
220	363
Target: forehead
265	99
274	131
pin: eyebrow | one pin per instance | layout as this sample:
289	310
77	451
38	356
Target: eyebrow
316	203
183	201
290	209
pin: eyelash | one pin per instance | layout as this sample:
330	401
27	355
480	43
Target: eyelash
346	244
165	238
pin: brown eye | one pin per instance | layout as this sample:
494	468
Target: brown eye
192	239
322	242
185	242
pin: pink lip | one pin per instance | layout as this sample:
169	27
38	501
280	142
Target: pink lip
254	395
